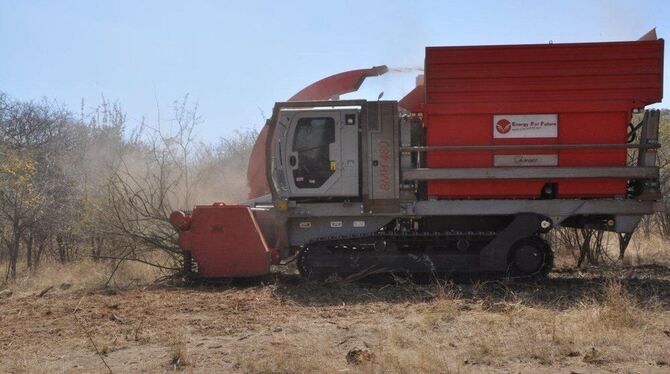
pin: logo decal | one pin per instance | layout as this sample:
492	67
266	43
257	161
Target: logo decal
503	126
514	126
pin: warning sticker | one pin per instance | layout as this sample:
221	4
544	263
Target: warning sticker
359	223
508	126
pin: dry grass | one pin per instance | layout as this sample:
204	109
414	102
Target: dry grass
414	348
381	348
609	328
451	333
586	320
310	354
287	326
82	275
21	363
179	357
642	250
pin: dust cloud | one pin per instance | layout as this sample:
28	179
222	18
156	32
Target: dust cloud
406	69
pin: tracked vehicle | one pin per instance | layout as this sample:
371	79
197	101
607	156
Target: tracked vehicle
495	147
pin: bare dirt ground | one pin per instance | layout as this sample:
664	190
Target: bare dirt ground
614	320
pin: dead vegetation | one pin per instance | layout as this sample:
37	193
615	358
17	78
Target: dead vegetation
578	320
92	187
86	275
178	352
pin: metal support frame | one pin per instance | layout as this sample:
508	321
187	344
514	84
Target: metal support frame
530	173
649	137
529	147
556	209
552	208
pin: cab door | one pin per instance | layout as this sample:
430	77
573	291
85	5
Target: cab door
320	152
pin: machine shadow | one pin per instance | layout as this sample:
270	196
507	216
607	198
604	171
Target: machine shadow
648	285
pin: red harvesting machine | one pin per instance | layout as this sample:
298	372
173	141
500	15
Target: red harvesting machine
494	147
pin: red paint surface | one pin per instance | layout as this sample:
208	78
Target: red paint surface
593	88
225	241
257	180
414	99
337	84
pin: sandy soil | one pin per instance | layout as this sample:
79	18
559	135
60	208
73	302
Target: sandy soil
581	322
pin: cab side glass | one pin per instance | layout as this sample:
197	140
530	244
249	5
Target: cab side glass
311	143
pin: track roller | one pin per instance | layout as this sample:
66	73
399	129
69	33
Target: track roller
530	257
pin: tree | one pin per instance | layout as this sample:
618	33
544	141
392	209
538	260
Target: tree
19	202
153	178
39	196
77	187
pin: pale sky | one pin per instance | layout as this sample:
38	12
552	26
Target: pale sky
237	58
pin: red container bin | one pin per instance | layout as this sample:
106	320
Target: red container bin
536	94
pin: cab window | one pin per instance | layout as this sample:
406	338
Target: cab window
311	142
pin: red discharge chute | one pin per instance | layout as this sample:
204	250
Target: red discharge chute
338	84
256	179
414	100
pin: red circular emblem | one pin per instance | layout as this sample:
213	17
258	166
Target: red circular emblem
503	126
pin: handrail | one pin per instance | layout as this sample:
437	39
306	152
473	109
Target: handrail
505	147
532	172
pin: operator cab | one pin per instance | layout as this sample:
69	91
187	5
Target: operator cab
315	152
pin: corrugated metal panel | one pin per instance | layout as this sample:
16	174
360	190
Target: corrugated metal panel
592	89
626	71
